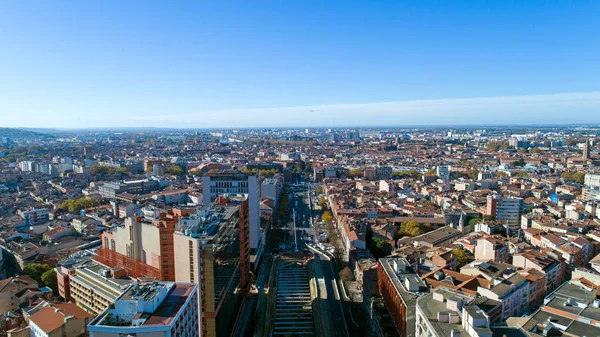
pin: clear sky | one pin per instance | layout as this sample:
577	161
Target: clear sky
298	63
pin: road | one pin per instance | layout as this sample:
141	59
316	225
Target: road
283	241
303	230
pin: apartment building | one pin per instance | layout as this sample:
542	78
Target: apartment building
157	309
59	320
91	285
141	247
553	269
591	190
399	285
35	216
212	247
443	313
491	248
235	183
270	188
506	210
506	286
10	287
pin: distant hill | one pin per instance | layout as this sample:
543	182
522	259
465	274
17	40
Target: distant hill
14	133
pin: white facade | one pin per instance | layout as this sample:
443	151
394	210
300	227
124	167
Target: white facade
136	307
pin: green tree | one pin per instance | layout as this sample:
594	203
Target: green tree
578	177
566	175
431	172
473	174
414	228
520	162
36	270
462	258
106	170
76	205
354	173
327	217
175	170
378	247
196	172
474	221
48	278
319	190
323	203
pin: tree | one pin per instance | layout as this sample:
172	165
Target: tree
473	174
431	172
578	177
319	190
35	271
520	162
323	203
106	170
496	146
414	228
327	217
521	151
49	279
473	222
196	172
353	173
461	257
175	170
566	176
378	247
76	205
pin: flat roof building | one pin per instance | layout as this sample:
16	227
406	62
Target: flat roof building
400	287
157	309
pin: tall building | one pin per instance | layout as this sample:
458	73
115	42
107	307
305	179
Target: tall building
212	246
591	189
236	183
443	172
586	150
384	172
506	210
142	248
157	309
370	173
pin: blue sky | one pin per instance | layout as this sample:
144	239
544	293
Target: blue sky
298	63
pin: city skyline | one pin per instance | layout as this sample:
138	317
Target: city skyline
553	109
